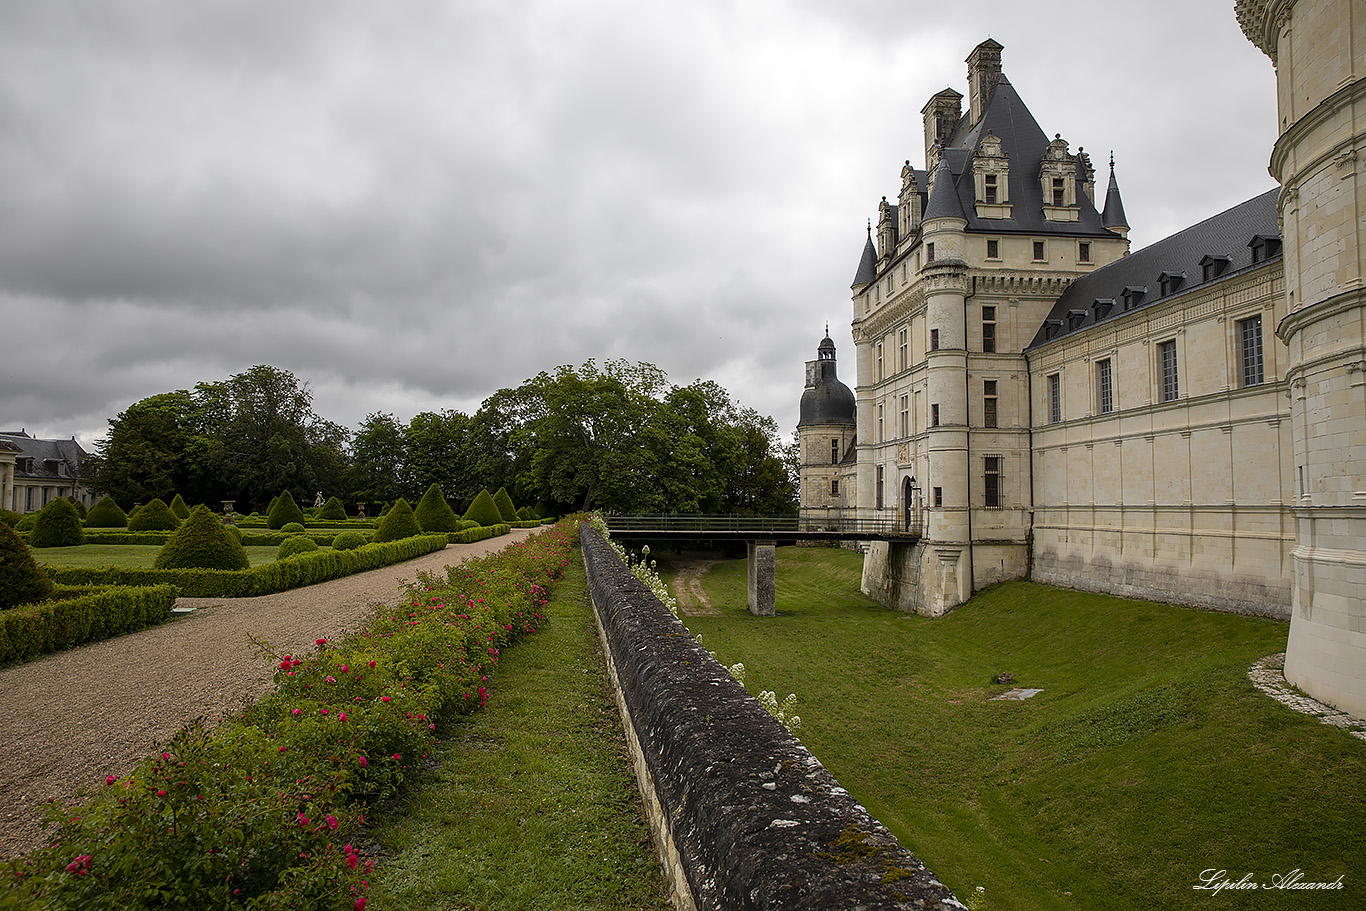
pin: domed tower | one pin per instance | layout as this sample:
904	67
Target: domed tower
825	432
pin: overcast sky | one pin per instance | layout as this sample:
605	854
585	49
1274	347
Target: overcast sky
411	204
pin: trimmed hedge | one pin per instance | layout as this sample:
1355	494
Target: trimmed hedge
483	510
58	525
153	516
202	542
21	579
506	508
433	513
106	514
307	569
294	528
26	521
526	515
398	523
80	507
10	517
349	540
179	507
333	509
477	533
294	545
283	511
27	632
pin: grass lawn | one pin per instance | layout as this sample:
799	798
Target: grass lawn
1148	758
533	805
131	556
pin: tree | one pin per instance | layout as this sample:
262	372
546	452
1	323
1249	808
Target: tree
377	459
435	447
151	450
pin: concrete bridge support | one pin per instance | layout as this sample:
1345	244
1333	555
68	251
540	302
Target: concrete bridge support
762	565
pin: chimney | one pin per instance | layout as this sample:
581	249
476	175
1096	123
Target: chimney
984	70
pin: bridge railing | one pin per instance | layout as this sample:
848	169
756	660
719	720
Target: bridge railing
747	524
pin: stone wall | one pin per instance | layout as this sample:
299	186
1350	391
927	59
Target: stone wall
743	815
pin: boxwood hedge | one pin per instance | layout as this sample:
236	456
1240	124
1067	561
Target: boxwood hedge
27	632
106	514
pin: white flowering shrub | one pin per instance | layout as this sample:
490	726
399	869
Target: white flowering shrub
784	712
643	568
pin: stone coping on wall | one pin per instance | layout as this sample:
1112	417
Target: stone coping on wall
743	815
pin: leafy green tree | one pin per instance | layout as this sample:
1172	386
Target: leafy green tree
152	449
378	459
436	452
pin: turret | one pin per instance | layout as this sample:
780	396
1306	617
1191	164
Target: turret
1112	216
867	264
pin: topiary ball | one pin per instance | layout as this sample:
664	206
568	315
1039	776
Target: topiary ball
349	540
26	523
333	510
434	514
178	507
153	516
293	528
106	514
22	580
283	511
399	522
506	509
298	544
202	542
58	525
483	510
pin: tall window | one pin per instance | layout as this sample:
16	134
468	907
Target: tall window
1105	401
1054	398
989	403
989	329
880	374
1083	251
834	452
939	496
992	481
901	341
835	487
880	437
1038	251
1166	352
1057	191
989	184
879	487
905	415
1250	334
993	249
934	415
934	339
929	253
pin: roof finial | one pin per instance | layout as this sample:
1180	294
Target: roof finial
870	225
827	328
1112	161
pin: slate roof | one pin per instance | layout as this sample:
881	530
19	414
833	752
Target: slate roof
829	401
867	266
945	201
42	451
1227	234
1113	214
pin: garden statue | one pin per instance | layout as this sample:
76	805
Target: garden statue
318	500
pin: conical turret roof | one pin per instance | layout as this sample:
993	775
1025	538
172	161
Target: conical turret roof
944	201
867	265
1113	214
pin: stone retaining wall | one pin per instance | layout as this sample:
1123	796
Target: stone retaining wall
743	815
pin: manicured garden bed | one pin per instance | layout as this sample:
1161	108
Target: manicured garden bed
1146	759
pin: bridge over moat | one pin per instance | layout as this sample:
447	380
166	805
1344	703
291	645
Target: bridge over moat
761	535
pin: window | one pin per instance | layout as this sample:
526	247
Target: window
993	249
1105	402
835	488
1263	247
989	329
901	341
1133	296
934	415
989	184
992	481
879	487
1084	251
939	496
880	374
889	284
1211	267
1057	191
1166	352
1038	251
1250	334
1170	282
989	403
934	339
834	452
905	415
929	253
1054	398
880	437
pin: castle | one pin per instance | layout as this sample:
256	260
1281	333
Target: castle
1185	422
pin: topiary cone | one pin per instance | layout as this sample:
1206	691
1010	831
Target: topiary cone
179	508
58	525
284	511
106	514
506	508
434	514
333	510
483	510
153	516
202	542
22	580
399	522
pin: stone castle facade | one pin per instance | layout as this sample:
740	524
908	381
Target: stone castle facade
1184	422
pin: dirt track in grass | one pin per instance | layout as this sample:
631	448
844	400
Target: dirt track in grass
72	718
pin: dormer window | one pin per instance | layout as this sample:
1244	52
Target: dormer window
1211	267
1058	182
1102	307
1052	328
1133	296
989	188
1075	318
1171	282
1264	247
991	167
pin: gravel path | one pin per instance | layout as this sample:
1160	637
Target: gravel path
76	716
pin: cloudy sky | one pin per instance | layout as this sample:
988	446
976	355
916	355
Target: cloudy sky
411	204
